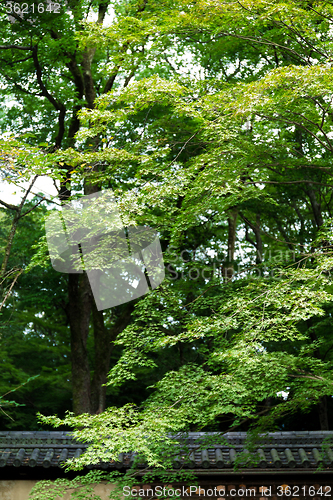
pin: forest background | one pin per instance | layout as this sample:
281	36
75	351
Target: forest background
212	123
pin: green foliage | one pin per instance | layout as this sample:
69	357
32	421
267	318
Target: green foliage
5	403
80	487
34	336
212	123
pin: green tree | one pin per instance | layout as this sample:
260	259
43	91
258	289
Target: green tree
242	154
53	70
261	155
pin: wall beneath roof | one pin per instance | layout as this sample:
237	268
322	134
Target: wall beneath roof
20	489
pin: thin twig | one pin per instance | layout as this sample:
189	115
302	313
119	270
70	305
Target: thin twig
10	289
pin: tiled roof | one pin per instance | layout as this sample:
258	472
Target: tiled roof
297	451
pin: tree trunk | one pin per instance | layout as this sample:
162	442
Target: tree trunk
104	339
88	395
102	346
79	312
316	208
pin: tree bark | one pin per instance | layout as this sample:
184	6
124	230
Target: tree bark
79	312
104	342
102	345
316	208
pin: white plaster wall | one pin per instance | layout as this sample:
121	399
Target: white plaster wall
20	489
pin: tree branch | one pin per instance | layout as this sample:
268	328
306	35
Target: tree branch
31	209
262	41
292	122
44	92
58	106
109	84
17	60
7	205
4	47
102	9
19	87
26	194
290	182
10	289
